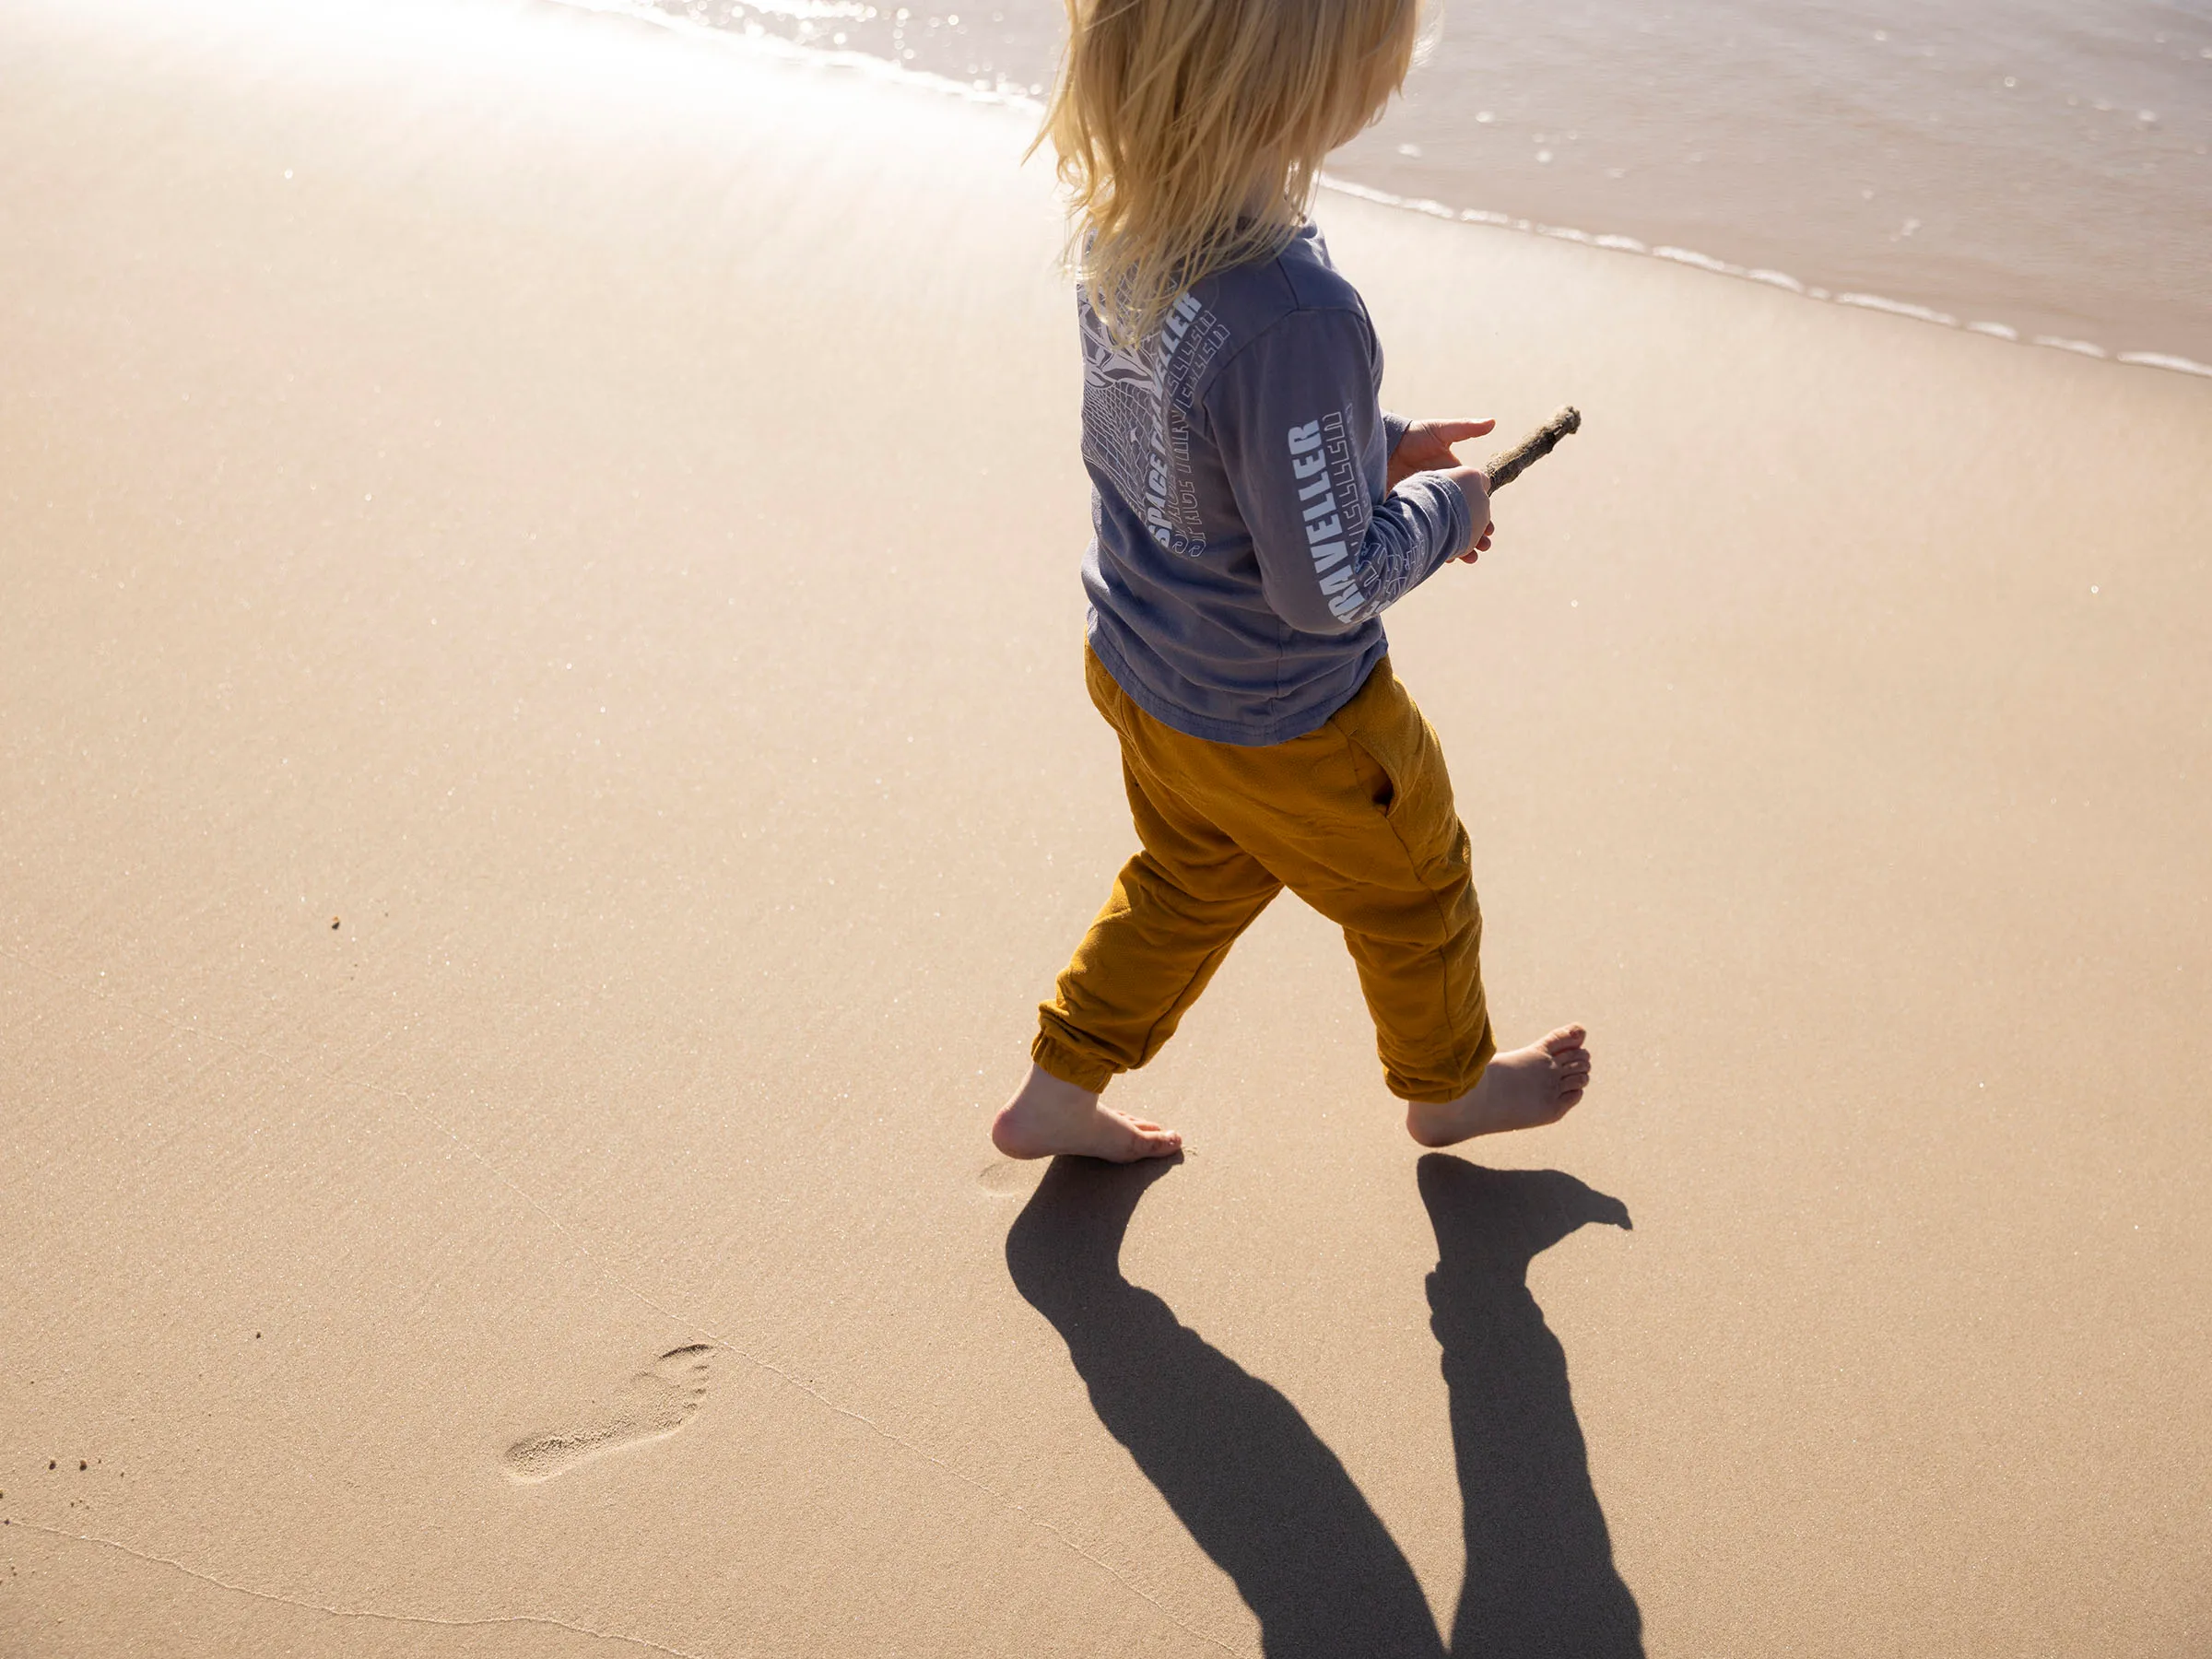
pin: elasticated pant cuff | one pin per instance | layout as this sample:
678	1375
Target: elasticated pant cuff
1429	1092
1069	1065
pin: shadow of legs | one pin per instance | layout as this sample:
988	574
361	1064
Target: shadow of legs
1233	1458
1539	1576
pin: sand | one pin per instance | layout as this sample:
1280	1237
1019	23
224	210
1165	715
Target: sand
543	766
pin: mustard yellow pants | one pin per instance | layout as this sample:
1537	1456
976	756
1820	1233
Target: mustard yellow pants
1355	818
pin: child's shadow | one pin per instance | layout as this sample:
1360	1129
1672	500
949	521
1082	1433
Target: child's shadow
1274	1507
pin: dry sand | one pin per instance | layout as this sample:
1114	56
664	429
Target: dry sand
542	767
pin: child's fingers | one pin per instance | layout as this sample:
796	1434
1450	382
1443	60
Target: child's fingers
1453	431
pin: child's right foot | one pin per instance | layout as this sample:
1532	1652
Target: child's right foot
1048	1117
1530	1087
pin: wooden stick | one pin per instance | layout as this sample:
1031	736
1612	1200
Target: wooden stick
1505	468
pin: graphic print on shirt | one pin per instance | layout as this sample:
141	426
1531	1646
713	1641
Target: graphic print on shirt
1356	581
1136	425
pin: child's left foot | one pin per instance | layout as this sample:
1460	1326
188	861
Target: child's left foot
1523	1089
1049	1118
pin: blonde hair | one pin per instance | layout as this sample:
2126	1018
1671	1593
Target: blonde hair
1191	133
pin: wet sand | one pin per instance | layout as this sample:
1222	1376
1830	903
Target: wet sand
2041	167
544	767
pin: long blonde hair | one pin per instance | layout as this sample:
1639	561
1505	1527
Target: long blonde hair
1191	133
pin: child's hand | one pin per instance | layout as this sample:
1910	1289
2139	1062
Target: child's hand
1475	486
1427	446
1483	540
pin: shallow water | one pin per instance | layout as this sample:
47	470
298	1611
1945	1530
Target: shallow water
2037	166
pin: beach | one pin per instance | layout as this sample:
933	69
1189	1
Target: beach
544	768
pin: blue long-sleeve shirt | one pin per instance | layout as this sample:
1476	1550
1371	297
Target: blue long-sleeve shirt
1245	542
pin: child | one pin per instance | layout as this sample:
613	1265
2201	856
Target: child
1253	511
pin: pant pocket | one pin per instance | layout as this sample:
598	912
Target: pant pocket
1374	777
1383	726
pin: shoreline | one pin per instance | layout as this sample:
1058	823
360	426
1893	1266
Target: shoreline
1002	95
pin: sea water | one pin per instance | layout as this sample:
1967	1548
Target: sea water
2040	170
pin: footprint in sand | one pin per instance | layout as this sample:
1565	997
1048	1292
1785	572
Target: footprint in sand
652	1406
1006	1177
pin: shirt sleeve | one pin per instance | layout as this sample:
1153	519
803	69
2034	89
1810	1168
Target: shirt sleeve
1305	441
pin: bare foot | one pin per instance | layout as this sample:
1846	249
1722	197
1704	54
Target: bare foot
1528	1087
1047	1117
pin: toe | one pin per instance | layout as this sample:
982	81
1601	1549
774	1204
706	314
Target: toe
1140	1138
1565	1039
